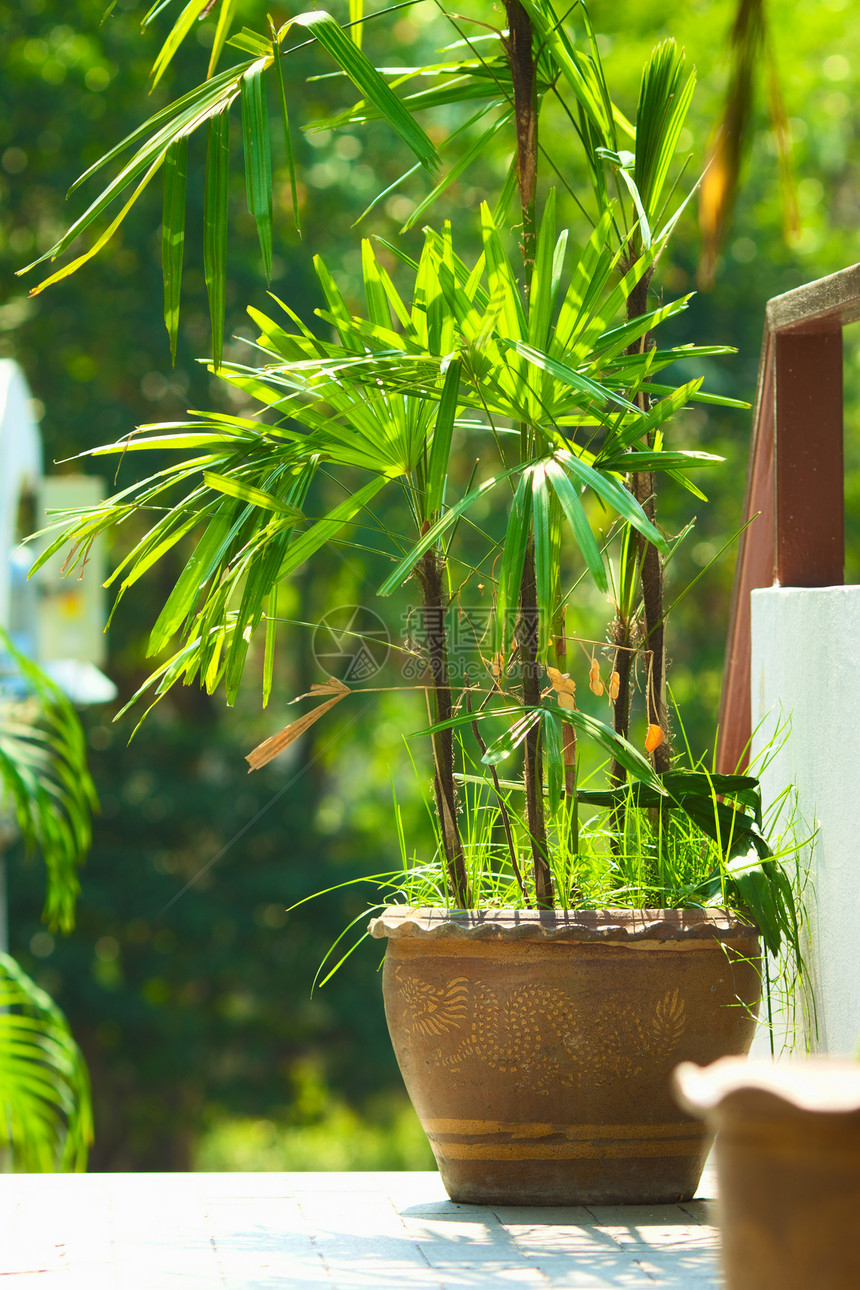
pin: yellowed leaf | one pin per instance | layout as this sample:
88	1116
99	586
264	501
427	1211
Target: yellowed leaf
654	738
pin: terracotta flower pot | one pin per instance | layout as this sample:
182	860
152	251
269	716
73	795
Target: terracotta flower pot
788	1162
537	1047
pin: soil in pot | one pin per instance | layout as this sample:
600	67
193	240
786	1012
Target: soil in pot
537	1046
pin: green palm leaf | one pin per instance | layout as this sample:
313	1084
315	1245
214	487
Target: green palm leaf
664	100
464	163
44	1085
513	560
578	70
432	536
258	158
45	782
181	28
612	491
574	512
440	451
367	80
546	568
222	31
173	235
154	137
215	226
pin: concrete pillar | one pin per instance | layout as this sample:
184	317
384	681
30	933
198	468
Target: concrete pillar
804	668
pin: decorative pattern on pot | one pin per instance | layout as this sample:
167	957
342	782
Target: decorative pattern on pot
516	1031
538	1050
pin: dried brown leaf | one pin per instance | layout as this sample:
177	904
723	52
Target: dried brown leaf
321	688
561	681
595	684
275	744
497	667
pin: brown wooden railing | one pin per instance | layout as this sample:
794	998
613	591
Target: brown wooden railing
795	476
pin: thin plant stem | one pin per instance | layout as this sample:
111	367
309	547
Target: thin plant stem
568	741
520	51
503	809
533	768
523	73
430	577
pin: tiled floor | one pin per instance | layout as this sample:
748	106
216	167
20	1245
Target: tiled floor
338	1231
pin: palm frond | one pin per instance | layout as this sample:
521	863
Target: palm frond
751	50
45	1106
44	780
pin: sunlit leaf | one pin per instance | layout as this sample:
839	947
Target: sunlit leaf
553	756
463	163
574	512
288	140
181	28
254	496
440	450
215	226
222	31
367	80
101	241
258	160
546	568
173	235
432	536
613	492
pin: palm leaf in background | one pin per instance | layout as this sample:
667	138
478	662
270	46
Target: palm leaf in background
44	1083
44	781
751	49
45	788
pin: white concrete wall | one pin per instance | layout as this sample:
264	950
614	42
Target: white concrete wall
806	667
20	465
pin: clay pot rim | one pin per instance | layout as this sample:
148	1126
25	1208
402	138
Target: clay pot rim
823	1085
563	924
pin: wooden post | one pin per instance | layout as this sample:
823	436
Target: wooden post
795	478
809	494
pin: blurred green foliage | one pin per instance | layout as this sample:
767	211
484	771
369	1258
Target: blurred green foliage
316	1131
187	984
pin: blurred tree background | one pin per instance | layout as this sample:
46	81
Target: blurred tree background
186	982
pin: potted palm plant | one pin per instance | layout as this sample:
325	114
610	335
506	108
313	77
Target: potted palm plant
574	960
